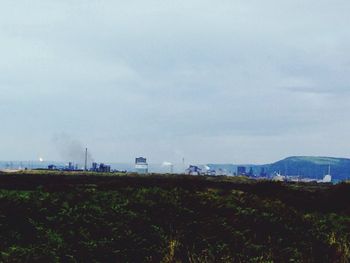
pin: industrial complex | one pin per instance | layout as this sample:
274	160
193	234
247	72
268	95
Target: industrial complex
141	166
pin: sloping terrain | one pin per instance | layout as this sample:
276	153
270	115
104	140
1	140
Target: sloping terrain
305	166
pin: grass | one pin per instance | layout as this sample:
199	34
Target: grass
86	217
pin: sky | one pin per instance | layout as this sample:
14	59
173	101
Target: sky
222	81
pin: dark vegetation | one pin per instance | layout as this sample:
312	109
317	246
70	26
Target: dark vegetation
88	218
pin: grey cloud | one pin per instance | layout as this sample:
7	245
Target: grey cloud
134	78
321	90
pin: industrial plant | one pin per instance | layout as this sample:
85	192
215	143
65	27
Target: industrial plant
290	171
141	165
100	168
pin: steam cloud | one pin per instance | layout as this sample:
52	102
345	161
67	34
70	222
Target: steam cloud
71	149
167	164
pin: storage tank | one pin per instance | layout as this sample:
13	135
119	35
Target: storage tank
141	166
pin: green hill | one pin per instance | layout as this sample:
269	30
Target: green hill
312	167
305	166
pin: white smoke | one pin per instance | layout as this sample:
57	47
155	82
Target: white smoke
167	164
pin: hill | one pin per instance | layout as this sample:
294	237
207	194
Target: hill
313	167
305	166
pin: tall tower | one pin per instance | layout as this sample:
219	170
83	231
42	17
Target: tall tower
86	157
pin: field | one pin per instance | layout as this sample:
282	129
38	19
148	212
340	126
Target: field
68	217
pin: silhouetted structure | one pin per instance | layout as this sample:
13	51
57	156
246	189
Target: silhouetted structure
101	168
193	170
52	167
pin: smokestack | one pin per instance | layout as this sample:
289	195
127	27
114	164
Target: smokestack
86	156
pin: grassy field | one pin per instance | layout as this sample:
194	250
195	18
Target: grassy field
85	217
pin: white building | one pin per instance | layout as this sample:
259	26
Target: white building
141	165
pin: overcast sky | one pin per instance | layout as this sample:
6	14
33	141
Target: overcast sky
231	81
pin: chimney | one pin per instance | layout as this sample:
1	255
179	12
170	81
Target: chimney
86	156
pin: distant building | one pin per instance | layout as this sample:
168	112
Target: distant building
251	172
241	170
52	167
141	165
263	172
70	167
211	172
101	168
94	167
193	170
104	168
221	172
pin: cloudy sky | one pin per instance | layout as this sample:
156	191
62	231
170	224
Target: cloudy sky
213	81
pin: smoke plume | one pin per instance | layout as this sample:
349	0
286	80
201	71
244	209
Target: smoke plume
71	150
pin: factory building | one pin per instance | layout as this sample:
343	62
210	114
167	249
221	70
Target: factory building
101	168
68	167
193	170
241	170
52	167
71	167
141	165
